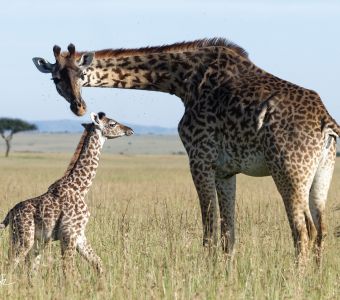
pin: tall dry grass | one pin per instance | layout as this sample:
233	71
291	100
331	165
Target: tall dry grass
145	224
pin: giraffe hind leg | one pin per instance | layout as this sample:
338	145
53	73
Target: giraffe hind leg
22	240
317	200
301	225
295	198
310	226
33	258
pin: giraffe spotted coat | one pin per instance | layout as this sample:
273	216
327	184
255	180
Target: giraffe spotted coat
61	213
237	118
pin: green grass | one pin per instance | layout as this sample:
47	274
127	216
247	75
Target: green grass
145	225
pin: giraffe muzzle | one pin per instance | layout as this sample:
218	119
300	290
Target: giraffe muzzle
79	109
129	131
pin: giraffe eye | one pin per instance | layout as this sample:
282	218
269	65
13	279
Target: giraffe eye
113	124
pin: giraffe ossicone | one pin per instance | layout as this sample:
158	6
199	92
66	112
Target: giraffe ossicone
238	119
61	213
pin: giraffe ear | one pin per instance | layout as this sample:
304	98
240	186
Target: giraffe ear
86	60
95	119
86	125
43	65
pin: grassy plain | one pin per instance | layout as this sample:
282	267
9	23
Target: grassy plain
145	224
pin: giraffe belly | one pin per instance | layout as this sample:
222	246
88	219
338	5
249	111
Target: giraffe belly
255	166
251	165
46	231
42	234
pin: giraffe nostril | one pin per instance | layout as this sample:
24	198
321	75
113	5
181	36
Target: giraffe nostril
78	109
129	132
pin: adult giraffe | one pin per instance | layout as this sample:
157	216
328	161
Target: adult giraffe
238	119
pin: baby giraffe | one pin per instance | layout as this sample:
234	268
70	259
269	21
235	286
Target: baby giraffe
61	213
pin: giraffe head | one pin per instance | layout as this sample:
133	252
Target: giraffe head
108	128
67	73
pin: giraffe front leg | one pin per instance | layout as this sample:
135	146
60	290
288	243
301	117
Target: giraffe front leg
204	180
226	189
86	251
68	250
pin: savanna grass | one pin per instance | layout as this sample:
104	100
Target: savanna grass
145	224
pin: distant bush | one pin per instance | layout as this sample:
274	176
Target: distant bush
178	153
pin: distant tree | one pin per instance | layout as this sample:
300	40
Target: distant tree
9	127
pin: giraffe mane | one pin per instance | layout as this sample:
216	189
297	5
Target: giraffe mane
182	46
78	151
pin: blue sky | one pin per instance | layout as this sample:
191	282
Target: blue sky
299	42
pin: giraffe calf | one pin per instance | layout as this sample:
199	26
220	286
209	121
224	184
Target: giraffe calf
61	213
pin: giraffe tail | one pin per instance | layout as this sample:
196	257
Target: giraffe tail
5	222
336	128
331	125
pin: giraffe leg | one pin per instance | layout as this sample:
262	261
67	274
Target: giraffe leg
204	181
22	240
68	250
226	189
301	223
293	172
19	254
295	193
318	198
33	259
86	251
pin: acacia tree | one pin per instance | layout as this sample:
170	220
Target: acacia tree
9	127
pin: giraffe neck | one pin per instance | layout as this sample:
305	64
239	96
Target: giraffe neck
160	71
77	153
83	166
